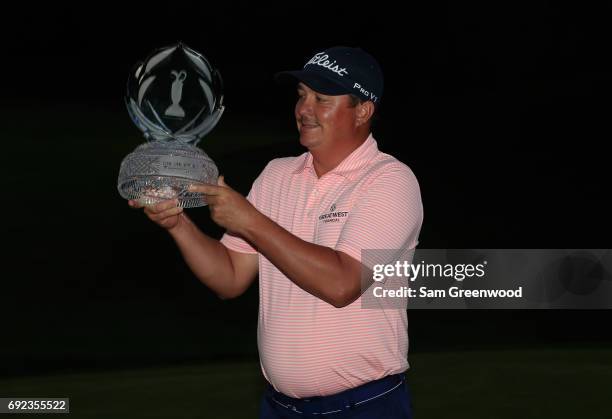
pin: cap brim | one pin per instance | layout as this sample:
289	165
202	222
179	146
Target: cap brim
315	81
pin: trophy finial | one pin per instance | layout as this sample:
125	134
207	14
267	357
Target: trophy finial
175	94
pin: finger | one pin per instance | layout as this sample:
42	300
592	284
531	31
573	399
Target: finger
162	206
166	214
212	200
221	181
206	189
134	204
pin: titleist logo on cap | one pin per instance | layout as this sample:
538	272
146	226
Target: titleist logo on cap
322	59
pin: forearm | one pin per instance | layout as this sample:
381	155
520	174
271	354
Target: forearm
207	258
314	268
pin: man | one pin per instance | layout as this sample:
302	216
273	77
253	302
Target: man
303	227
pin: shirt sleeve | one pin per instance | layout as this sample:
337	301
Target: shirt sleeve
235	242
387	217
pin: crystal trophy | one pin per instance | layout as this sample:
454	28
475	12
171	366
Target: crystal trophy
175	97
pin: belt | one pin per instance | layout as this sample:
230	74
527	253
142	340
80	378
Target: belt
348	399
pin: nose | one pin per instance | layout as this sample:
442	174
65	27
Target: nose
303	107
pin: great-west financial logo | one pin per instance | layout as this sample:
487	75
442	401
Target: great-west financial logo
333	216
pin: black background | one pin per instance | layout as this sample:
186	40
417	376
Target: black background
500	110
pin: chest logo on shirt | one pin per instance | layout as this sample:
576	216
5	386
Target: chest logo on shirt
333	216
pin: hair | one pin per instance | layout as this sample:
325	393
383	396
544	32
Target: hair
355	100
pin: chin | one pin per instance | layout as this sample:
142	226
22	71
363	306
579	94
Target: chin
309	139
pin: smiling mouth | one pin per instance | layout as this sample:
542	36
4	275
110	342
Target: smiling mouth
309	126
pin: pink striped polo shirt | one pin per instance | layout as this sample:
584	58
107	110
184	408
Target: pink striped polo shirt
371	200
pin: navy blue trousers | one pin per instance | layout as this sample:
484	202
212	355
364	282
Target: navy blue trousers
388	398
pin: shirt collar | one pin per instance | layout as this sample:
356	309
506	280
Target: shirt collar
349	167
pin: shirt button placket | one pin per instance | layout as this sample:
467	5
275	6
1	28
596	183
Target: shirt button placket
312	202
308	226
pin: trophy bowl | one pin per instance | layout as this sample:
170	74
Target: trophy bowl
161	170
175	98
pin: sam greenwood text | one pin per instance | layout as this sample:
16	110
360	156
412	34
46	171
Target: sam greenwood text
453	292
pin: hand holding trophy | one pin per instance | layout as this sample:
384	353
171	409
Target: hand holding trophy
175	97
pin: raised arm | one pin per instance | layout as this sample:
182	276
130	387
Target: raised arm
227	273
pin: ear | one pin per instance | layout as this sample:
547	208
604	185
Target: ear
364	111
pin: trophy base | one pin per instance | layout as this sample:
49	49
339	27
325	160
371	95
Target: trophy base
162	170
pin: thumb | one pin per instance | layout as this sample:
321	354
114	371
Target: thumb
221	181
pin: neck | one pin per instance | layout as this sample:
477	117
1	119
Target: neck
325	159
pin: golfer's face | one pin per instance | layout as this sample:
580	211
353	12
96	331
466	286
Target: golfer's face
322	119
